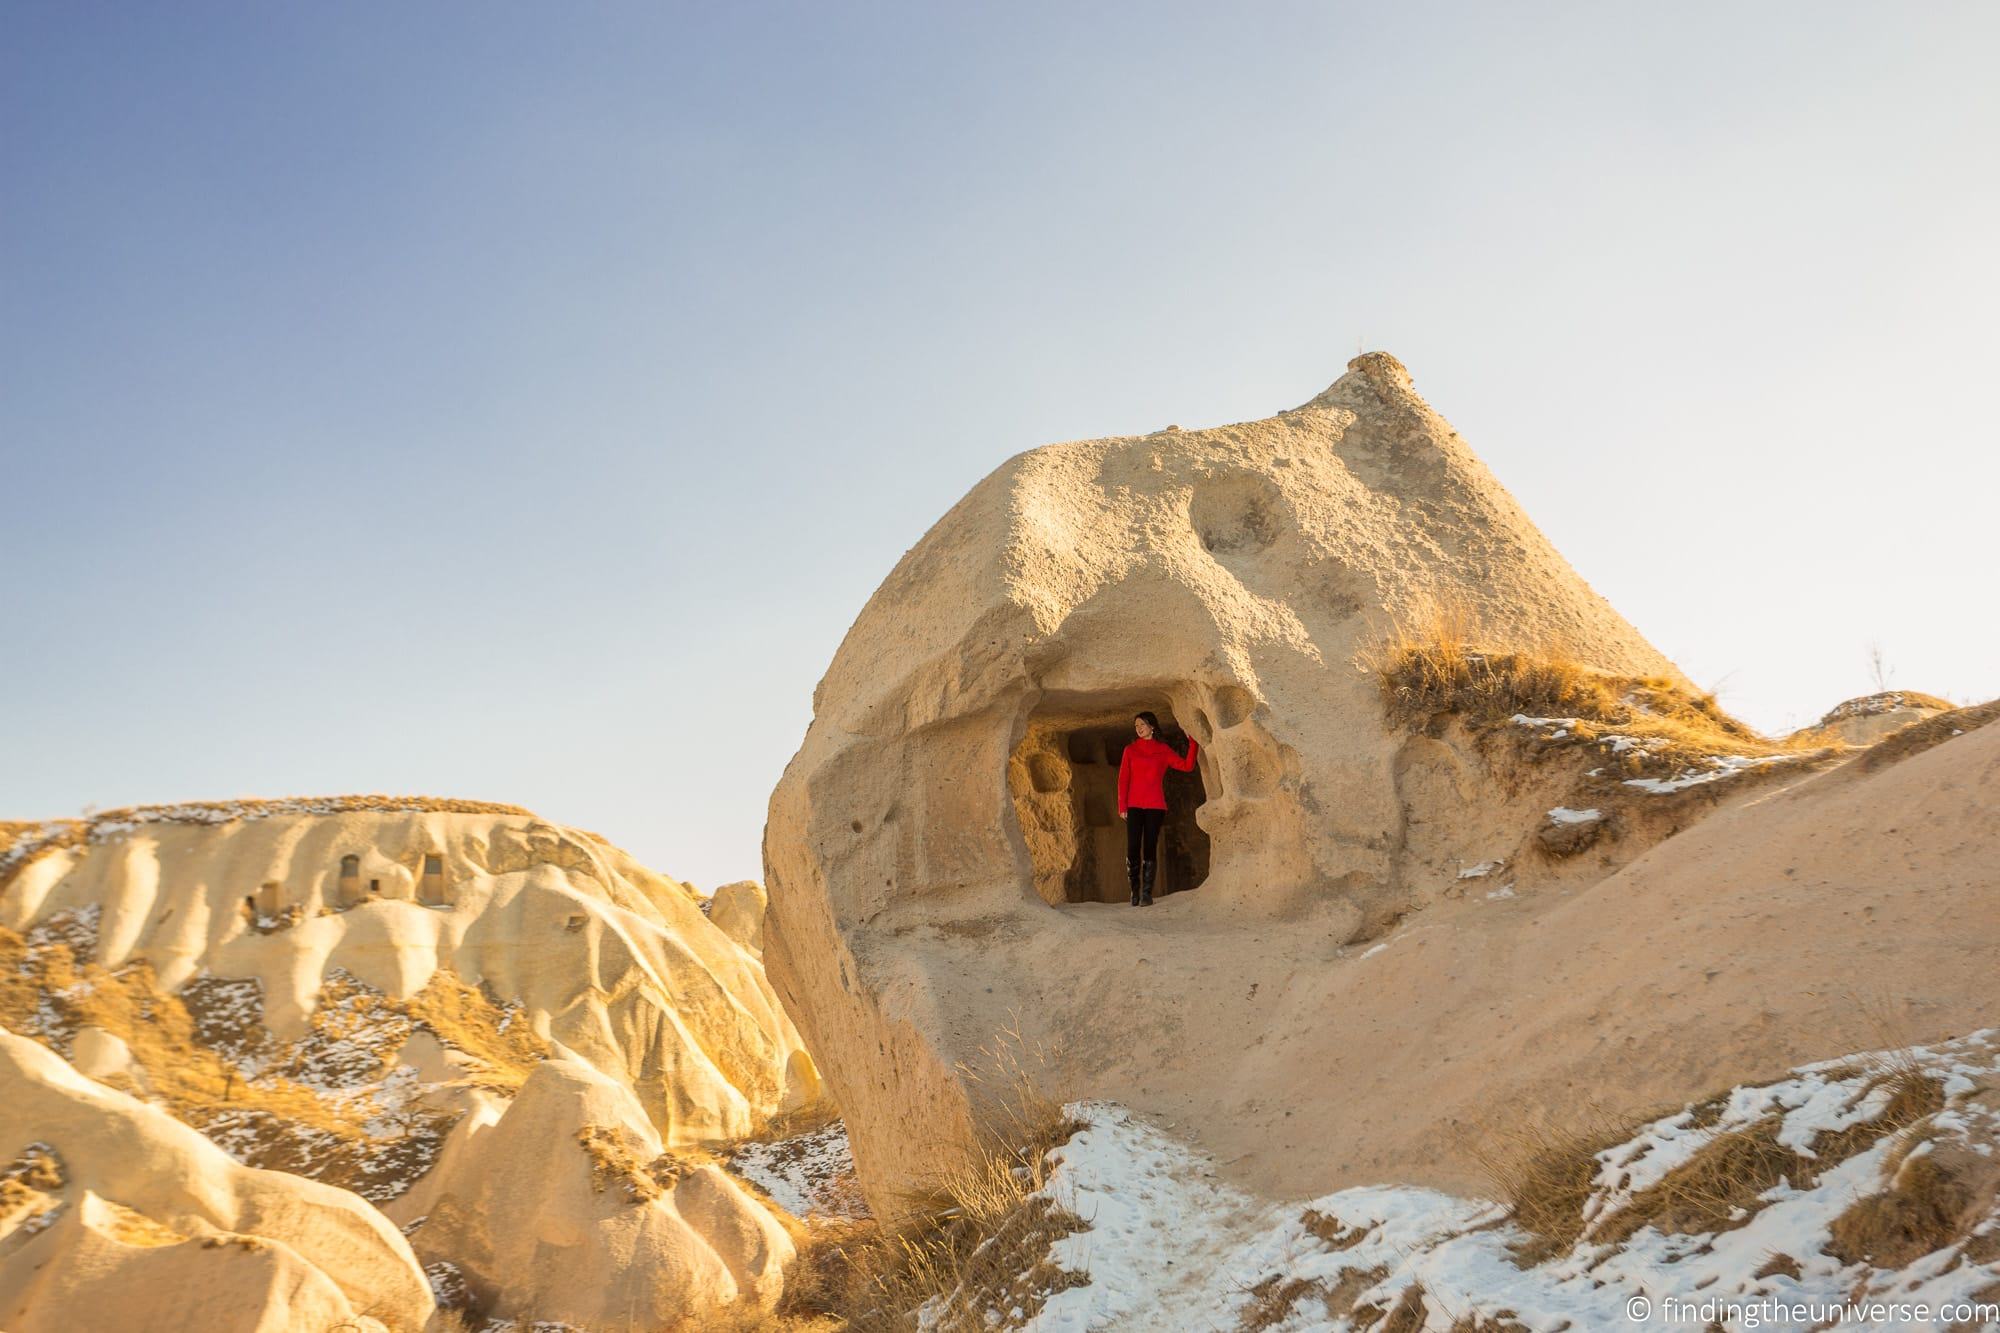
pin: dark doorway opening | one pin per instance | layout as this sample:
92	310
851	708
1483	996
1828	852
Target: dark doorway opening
1063	777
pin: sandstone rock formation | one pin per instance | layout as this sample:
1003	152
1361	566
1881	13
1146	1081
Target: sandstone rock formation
617	1231
430	1004
114	1208
738	912
942	856
1868	719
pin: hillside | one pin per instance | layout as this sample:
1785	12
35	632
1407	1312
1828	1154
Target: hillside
528	1052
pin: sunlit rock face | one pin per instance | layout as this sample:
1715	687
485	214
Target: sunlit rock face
945	851
501	1034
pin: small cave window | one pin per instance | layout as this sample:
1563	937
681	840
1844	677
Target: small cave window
269	898
431	890
349	892
1063	777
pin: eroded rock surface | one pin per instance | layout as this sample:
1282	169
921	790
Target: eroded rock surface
426	1004
1363	925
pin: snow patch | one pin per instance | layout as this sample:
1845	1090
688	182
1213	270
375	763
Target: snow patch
808	1175
1167	1245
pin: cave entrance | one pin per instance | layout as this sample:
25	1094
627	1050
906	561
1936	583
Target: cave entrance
1063	777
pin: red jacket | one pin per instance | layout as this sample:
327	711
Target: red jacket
1142	771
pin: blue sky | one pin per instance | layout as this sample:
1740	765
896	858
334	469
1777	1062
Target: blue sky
519	401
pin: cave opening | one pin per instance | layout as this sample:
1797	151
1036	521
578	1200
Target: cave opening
1063	777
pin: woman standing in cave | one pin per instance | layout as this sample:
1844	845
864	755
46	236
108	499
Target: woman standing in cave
1142	801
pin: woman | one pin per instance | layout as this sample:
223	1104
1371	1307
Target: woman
1142	801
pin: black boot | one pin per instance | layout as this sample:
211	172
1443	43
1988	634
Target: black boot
1132	874
1146	883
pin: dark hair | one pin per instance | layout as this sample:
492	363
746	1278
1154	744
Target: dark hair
1148	719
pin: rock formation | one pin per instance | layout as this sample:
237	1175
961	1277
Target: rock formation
450	1010
1868	719
943	856
114	1207
620	1231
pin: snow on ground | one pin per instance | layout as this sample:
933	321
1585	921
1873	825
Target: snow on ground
808	1175
1713	767
1722	766
1562	814
1167	1245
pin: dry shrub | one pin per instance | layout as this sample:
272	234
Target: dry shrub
1410	1313
1340	1298
1779	1264
14	830
1431	666
1546	1171
976	1245
1330	1231
1914	1095
1271	1300
37	1167
467	1018
614	1159
1717	1189
1918	1213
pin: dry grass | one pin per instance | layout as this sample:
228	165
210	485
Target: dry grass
1721	1186
1920	736
46	994
1915	1095
136	1229
467	1018
1546	1171
13	830
1717	1189
1330	1231
976	1247
1271	1301
293	1116
1410	1313
615	1160
1920	1212
1433	667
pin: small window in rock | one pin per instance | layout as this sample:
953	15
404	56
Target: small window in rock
374	886
431	890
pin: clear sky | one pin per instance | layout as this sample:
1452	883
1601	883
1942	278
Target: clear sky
519	401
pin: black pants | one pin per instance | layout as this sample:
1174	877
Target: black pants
1142	835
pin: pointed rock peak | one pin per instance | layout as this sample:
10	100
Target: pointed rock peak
1372	375
1382	370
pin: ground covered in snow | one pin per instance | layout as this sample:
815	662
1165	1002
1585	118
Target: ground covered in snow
1859	1190
809	1175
